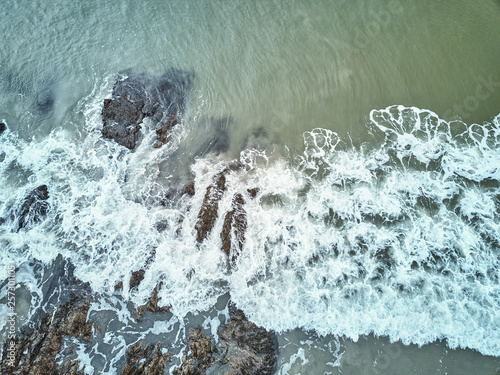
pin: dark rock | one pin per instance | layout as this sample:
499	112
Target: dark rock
209	209
136	97
243	348
3	127
152	304
136	278
190	189
201	357
253	192
34	208
119	285
163	130
36	352
235	225
145	360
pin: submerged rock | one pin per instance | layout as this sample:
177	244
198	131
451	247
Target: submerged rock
34	208
36	352
136	97
45	102
243	348
210	207
145	360
233	230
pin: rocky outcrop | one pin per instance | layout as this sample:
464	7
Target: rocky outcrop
136	97
36	352
3	127
233	230
145	360
210	207
189	189
152	304
136	278
243	348
202	355
34	208
163	130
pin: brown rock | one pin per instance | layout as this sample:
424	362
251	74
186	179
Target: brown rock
235	225
209	209
144	360
36	353
201	357
136	278
248	349
190	189
152	304
253	192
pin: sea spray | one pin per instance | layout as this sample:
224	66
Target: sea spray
398	238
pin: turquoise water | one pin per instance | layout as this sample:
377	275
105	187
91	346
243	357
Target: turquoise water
378	209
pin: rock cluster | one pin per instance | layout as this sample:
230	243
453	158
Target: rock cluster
243	348
136	97
145	360
210	207
36	352
34	208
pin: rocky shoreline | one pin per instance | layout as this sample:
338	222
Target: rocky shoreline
241	347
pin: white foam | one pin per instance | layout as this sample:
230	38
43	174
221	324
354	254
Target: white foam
399	241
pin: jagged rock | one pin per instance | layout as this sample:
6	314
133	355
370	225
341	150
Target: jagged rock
145	360
244	348
136	97
209	209
34	208
253	192
235	225
163	130
201	357
189	190
36	352
3	127
136	278
152	304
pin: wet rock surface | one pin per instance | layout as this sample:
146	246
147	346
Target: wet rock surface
36	352
210	207
34	208
136	278
153	303
145	360
233	230
138	96
201	357
3	127
243	348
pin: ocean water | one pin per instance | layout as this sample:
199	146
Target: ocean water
370	128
